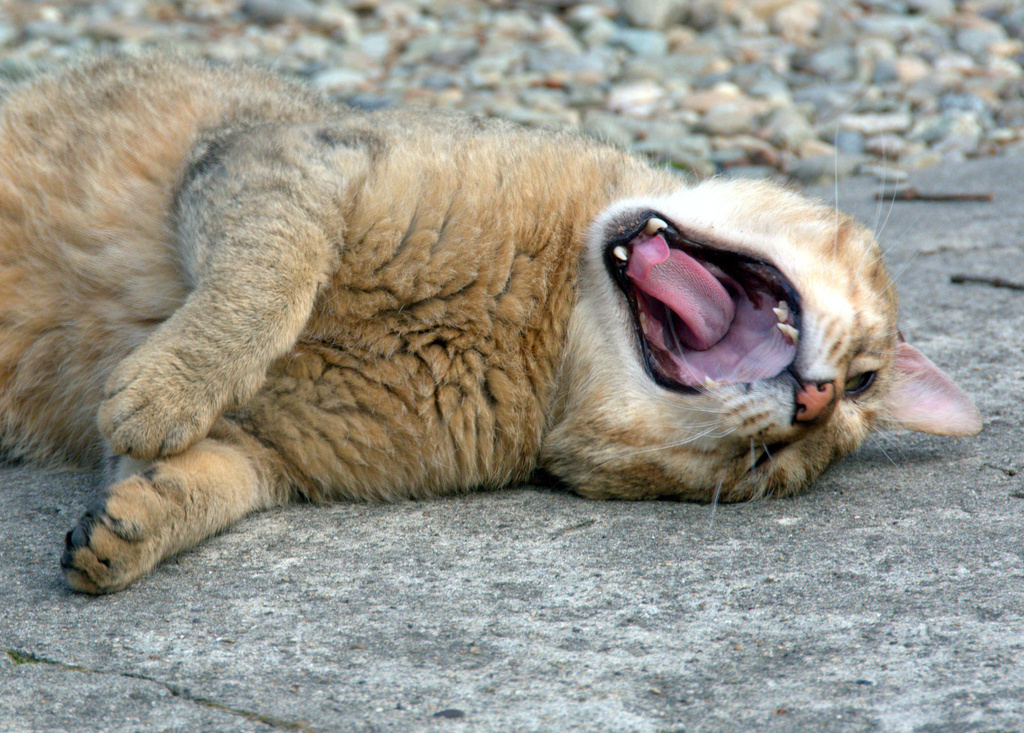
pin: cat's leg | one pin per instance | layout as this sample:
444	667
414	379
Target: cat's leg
171	505
257	225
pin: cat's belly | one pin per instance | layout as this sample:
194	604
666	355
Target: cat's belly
348	421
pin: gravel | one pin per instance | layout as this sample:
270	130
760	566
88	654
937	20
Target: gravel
799	89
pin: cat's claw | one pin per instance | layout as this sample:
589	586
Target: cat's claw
111	546
157	403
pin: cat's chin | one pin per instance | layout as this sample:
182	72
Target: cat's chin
703	315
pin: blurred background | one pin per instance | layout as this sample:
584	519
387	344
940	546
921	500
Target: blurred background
800	89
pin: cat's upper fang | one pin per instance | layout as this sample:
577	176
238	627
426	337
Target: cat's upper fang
654	225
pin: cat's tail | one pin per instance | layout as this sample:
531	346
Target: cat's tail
74	301
42	417
54	359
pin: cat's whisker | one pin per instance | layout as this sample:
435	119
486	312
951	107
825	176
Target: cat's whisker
714	503
707	410
896	275
892	203
652	449
880	439
835	183
884	451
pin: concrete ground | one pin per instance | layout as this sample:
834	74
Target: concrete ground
889	597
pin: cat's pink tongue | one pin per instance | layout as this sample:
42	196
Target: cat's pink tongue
682	284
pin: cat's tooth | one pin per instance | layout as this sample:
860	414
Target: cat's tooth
654	225
711	383
789	332
782	312
643	322
621	253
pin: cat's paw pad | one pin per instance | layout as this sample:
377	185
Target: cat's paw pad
114	543
156	407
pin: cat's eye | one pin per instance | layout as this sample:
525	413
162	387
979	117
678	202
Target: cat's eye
858	383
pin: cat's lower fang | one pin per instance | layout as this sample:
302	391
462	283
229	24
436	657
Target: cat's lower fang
654	225
621	253
789	332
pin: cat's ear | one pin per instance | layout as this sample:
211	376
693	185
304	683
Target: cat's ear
923	398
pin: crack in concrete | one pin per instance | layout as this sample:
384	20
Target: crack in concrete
19	657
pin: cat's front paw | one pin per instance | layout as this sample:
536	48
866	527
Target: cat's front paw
118	540
156	405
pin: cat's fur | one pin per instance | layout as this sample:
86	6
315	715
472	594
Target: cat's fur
264	296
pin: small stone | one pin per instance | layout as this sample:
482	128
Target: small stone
653	13
1013	21
334	80
823	168
894	27
885	145
883	173
873	124
278	11
701	166
819	148
963	134
640	42
554	34
599	33
930	128
752	172
1011	113
375	45
932	8
797	22
848	141
640	99
788	128
310	47
451	713
728	156
50	31
731	118
962	103
976	40
607	128
1005	50
533	118
757	151
910	69
706	99
833	63
582	16
923	159
8	33
884	72
771	88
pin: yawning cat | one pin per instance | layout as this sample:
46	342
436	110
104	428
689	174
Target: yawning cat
265	296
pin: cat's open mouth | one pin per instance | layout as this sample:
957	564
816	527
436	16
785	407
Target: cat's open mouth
703	315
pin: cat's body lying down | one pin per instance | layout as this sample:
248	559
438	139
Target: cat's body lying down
265	297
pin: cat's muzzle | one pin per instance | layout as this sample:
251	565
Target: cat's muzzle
703	315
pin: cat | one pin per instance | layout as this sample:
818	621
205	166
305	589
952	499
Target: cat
234	293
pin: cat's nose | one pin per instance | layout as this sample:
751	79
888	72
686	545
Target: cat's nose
814	401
